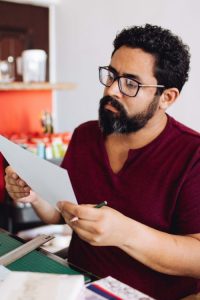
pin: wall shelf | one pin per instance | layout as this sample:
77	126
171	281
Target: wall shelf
39	86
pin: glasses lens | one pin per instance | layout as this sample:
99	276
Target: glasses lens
106	76
128	86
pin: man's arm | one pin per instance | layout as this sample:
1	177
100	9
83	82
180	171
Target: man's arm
19	191
163	252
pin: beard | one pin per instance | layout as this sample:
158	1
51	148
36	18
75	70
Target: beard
120	122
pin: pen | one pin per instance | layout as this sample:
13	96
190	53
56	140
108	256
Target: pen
101	204
74	219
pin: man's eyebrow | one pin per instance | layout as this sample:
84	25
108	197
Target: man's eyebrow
133	76
113	69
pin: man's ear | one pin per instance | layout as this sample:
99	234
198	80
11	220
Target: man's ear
168	97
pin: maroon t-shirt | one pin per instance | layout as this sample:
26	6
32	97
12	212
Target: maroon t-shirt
159	185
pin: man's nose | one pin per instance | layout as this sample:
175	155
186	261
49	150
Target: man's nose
114	90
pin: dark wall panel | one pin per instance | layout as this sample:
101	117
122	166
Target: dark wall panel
22	27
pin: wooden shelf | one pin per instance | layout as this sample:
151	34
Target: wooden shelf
19	86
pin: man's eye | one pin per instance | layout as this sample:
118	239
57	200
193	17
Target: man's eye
109	78
110	75
131	84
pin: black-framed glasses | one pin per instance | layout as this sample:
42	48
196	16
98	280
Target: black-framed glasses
127	85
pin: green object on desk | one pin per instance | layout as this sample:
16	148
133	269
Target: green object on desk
34	261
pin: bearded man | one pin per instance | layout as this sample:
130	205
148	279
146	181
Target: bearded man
144	163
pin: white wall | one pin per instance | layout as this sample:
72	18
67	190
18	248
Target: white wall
84	34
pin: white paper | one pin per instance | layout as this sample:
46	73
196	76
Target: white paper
41	286
4	272
48	180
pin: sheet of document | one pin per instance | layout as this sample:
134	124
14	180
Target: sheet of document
48	180
41	286
4	272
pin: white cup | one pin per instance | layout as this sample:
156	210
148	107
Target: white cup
34	65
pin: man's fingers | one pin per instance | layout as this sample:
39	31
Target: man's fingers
18	196
86	226
89	236
14	184
17	189
86	212
10	172
12	177
17	181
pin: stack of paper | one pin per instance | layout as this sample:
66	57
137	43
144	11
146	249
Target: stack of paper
40	286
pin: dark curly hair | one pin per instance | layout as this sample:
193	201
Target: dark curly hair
172	57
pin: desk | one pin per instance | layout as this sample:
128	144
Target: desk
45	262
37	260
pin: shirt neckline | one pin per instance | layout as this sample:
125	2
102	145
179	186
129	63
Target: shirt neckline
132	152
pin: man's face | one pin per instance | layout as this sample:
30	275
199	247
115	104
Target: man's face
123	114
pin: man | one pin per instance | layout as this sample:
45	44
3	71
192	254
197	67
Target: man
144	164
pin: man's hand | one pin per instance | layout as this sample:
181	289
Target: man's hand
18	190
98	226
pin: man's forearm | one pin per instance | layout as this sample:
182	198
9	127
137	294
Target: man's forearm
47	213
165	253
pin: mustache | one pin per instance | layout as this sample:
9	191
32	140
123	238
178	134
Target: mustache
108	99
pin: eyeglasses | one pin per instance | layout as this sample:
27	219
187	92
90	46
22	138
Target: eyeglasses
127	85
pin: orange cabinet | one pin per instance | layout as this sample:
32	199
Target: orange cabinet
20	110
21	105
